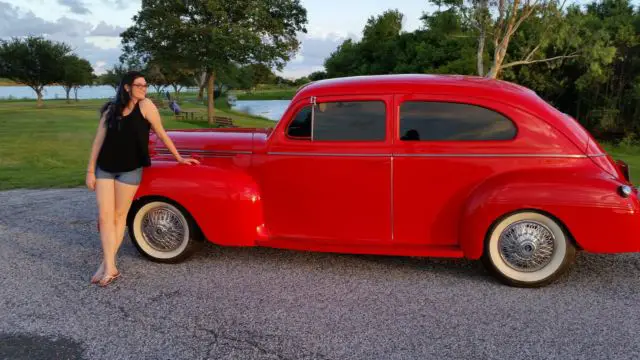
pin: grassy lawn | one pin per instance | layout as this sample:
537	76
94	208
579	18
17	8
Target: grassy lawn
50	147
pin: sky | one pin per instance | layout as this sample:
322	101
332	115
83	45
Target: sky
92	27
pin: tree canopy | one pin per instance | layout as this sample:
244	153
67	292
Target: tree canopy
211	35
76	72
33	61
583	60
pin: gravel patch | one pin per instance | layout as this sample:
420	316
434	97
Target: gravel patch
257	303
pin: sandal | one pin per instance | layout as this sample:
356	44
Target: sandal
108	279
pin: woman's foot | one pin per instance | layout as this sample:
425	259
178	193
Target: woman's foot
108	279
98	275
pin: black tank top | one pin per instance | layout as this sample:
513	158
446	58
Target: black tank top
126	144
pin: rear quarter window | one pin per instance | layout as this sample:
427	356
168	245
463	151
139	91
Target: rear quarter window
443	121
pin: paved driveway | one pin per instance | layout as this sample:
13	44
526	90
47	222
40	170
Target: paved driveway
251	303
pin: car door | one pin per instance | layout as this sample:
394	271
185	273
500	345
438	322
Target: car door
445	145
326	172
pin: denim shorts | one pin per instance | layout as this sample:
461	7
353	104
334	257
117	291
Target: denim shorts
132	177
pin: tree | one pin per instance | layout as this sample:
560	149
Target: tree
317	75
113	76
77	72
255	74
33	61
213	34
174	73
499	21
154	77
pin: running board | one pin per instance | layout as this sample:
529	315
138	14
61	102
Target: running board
370	248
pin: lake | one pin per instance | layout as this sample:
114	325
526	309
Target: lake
56	92
270	109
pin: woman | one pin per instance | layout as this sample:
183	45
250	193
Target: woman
119	153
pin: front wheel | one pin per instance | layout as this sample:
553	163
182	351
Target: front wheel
528	249
162	232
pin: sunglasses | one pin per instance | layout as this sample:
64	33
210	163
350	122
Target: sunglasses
145	86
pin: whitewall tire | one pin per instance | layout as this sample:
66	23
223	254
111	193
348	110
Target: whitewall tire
528	249
162	231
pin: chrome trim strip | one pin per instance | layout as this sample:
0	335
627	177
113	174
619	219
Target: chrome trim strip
325	154
429	155
493	155
198	151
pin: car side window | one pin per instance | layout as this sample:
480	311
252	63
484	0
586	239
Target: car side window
300	127
341	121
442	121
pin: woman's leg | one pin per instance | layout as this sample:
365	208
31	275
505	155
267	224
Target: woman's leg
124	195
105	196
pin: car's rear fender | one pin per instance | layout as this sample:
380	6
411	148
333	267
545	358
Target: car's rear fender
224	203
588	204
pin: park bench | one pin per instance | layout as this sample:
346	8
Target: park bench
223	121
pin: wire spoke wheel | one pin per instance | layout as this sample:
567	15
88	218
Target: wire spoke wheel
162	231
528	249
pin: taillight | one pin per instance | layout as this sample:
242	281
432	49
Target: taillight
624	169
607	164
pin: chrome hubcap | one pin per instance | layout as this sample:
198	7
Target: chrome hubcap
526	245
163	229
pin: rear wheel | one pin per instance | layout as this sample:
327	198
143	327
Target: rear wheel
528	249
162	231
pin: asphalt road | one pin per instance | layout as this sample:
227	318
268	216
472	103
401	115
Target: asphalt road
253	303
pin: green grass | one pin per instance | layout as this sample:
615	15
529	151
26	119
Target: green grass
50	146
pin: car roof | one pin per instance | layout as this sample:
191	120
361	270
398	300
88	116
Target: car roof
378	84
470	85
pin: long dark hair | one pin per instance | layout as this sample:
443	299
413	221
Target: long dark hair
122	98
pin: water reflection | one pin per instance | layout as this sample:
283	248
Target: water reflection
270	109
56	92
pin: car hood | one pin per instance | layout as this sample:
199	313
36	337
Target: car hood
223	140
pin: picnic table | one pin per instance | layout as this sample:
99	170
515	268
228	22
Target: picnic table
189	114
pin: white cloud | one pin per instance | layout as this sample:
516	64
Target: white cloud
314	49
17	23
104	29
76	6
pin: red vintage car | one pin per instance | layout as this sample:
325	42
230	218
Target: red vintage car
405	165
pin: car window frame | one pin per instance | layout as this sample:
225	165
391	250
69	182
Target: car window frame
385	99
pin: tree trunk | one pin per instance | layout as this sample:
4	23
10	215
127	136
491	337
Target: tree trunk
176	90
498	59
481	52
210	100
201	79
501	50
67	89
201	92
39	103
75	92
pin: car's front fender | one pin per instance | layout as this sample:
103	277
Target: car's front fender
225	203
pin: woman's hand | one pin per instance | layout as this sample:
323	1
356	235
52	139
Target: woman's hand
182	160
91	180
